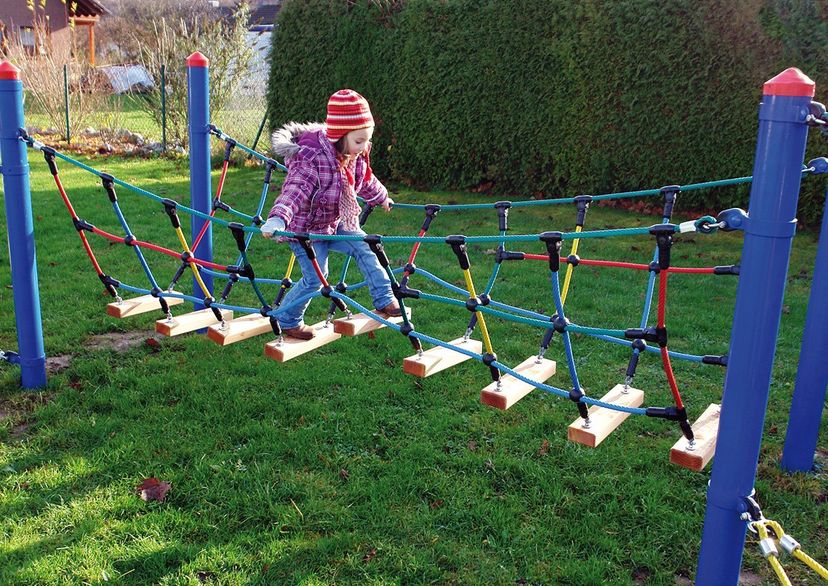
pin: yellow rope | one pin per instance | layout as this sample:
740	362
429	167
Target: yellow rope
761	528
810	562
193	265
290	266
569	267
484	331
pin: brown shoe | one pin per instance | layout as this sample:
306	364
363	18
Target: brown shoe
392	309
301	332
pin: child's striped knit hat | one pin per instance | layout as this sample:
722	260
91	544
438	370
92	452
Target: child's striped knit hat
347	111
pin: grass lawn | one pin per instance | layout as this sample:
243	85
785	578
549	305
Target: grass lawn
338	468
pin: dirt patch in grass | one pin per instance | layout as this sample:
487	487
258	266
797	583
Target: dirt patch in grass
120	341
55	364
18	408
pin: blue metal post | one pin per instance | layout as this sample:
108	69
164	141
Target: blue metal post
768	232
198	112
15	171
812	375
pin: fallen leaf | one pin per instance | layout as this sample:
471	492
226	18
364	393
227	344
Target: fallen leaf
544	449
370	555
152	489
435	504
344	474
154	344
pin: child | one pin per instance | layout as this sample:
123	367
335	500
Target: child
328	166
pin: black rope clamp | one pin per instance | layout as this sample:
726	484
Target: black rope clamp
502	208
82	225
573	259
657	335
304	242
220	205
458	246
554	242
489	360
241	271
130	239
326	292
374	242
664	240
186	257
575	396
156	292
431	211
110	284
170	207
559	323
713	359
238	233
501	254
228	148
402	292
670	194
49	156
726	270
225	293
269	166
108	182
582	204
363	215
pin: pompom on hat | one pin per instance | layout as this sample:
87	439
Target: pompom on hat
347	111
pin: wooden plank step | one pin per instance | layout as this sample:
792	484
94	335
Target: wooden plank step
138	305
239	329
189	322
705	430
603	421
362	324
513	390
439	358
293	347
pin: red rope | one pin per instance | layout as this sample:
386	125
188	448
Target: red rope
414	249
86	246
665	355
625	265
219	191
161	249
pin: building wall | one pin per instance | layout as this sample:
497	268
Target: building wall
15	14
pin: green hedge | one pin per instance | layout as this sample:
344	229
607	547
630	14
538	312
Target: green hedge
551	97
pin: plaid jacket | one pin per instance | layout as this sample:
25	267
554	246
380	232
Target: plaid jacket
309	200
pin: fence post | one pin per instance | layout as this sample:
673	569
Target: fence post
164	108
23	260
258	133
198	112
768	232
812	373
66	101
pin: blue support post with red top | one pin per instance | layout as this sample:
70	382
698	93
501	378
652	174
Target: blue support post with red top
769	230
812	374
23	260
198	112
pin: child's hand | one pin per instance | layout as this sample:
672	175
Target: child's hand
386	205
274	224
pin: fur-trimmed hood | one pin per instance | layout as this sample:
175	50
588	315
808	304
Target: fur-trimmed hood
285	141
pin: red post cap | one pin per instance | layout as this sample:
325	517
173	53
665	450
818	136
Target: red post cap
9	71
791	82
199	60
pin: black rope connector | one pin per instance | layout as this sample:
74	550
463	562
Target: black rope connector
50	160
410	268
130	239
269	166
265	310
170	207
156	292
553	241
247	272
458	245
108	182
341	287
472	303
502	255
575	396
186	256
275	326
559	323
304	242
238	233
657	335
208	301
664	240
110	284
489	360
670	194
401	292
713	359
220	205
326	291
257	220
573	259
502	208
639	344
582	203
374	242
726	270
406	329
82	225
673	414
431	211
228	148
225	293
654	267
287	283
484	299
363	215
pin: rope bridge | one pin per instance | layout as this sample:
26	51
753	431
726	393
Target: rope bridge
597	417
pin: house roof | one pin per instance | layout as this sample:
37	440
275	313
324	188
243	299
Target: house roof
265	14
90	8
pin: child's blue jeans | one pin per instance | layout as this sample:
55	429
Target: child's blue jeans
379	286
